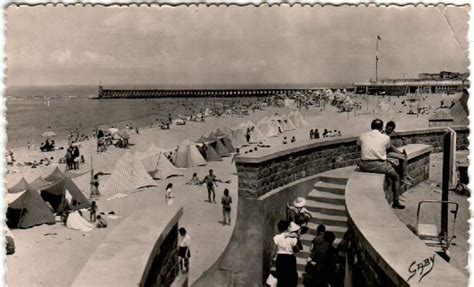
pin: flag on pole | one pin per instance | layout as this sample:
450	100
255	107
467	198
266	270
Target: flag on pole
378	37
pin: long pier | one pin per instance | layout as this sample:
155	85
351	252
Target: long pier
220	93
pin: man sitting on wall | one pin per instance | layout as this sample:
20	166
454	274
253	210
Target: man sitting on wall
374	146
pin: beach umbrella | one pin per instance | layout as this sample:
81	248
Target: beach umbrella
48	134
123	134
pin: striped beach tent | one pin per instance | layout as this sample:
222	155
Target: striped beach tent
460	111
129	174
157	164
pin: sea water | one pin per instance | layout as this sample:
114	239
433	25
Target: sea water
33	110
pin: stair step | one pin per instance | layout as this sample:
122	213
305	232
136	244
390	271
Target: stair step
338	230
326	208
328	197
330	187
300	263
327	219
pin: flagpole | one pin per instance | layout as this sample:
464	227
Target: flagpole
376	58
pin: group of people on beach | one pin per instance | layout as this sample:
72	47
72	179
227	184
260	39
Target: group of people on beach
72	157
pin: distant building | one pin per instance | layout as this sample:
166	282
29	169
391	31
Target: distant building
427	83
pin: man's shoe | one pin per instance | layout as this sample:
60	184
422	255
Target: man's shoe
398	206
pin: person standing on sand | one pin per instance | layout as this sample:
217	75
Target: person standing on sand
169	195
226	206
210	181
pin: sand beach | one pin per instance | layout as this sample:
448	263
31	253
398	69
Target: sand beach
53	255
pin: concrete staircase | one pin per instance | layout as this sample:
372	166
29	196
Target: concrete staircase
326	202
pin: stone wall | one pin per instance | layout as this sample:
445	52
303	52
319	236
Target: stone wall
165	266
266	170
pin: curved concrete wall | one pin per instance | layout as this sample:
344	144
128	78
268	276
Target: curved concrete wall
286	170
388	253
141	251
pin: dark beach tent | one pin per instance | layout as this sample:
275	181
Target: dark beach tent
218	145
56	194
211	154
40	183
28	209
460	111
228	143
56	175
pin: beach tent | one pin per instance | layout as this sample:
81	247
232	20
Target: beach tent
287	123
187	155
158	165
64	193
55	175
256	135
217	144
267	128
228	143
440	119
26	208
211	154
276	121
39	183
460	111
298	119
129	174
237	136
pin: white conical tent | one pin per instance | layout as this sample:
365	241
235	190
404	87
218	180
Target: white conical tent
275	120
256	135
157	164
187	155
267	128
298	119
129	174
288	124
237	136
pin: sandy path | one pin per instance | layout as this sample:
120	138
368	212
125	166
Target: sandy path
55	260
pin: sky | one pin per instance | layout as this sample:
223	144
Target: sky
229	46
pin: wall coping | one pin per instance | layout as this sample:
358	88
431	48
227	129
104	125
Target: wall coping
391	244
265	154
125	257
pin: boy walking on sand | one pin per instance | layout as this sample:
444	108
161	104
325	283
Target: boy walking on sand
184	251
226	206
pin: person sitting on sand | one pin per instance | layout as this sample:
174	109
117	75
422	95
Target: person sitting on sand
311	134
101	222
194	180
293	139
285	140
316	134
325	133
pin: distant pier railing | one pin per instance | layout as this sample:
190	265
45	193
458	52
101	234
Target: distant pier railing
221	93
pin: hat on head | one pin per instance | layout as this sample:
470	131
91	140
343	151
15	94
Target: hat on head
293	227
299	202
